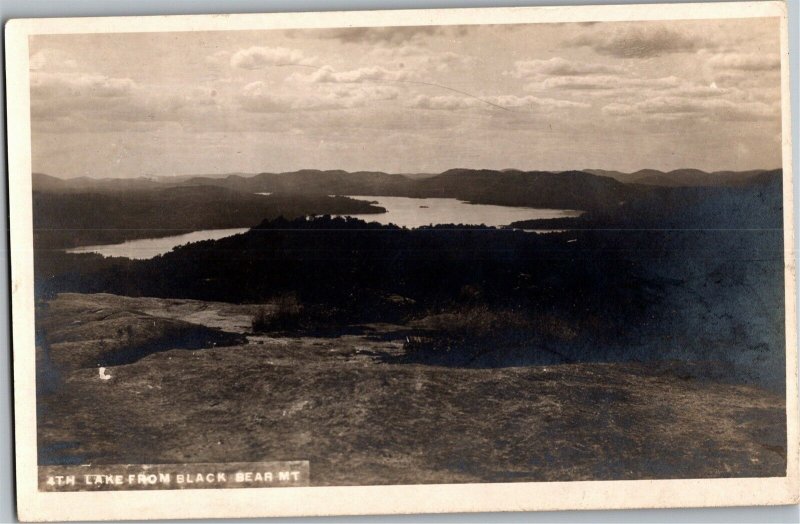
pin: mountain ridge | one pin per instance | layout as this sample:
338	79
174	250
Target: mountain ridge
688	177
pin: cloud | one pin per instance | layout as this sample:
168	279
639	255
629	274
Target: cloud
410	64
769	95
417	59
444	102
443	62
97	102
639	42
538	103
365	94
261	57
454	102
603	82
746	80
260	97
746	61
709	108
327	74
218	58
51	60
378	35
66	86
698	91
559	67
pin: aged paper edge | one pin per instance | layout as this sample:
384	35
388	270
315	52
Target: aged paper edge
311	501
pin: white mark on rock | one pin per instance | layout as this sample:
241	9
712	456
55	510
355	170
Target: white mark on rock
103	374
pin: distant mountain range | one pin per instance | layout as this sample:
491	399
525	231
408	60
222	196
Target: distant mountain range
377	182
681	177
587	190
568	190
48	183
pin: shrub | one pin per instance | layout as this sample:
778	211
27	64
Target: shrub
478	322
469	332
261	319
285	315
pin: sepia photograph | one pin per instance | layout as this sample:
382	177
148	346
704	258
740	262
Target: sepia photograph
445	249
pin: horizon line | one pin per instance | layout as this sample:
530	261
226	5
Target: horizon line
420	173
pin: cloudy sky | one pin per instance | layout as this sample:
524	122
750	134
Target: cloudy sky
625	96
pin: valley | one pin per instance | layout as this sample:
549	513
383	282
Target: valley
414	330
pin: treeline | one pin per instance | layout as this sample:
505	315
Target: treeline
63	220
688	273
604	289
755	205
360	269
543	189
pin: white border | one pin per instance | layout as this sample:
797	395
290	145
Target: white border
40	506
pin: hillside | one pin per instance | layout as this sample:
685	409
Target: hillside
69	219
362	419
69	213
681	177
757	204
611	347
312	181
449	183
570	190
47	183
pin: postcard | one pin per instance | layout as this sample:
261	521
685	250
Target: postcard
411	261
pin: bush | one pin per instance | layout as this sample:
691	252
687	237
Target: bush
470	332
261	319
285	315
477	322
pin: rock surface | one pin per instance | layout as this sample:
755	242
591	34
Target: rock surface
362	418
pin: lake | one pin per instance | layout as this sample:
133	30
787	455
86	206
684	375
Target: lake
416	212
401	211
145	248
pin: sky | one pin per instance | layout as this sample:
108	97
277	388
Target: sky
611	95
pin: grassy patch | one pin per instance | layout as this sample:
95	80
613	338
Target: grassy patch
470	333
284	316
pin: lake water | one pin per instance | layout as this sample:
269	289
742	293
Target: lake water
401	211
416	212
150	247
